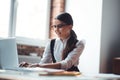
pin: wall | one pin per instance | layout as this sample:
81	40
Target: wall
110	39
87	25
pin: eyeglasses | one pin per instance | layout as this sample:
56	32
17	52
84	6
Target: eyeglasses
59	25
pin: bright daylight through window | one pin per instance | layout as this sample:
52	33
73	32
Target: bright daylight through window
32	19
4	17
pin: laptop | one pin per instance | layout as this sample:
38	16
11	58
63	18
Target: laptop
8	53
9	58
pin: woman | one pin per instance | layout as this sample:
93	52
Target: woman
63	52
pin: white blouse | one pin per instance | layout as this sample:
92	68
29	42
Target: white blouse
70	60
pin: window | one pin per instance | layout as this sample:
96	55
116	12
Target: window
4	17
32	19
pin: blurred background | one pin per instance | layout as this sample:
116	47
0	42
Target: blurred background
95	21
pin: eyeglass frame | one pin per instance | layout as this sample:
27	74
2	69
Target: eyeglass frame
59	25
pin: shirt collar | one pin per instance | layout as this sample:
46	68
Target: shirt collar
65	40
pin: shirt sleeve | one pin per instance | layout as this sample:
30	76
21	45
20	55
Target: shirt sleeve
46	55
73	56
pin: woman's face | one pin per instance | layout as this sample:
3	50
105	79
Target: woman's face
62	30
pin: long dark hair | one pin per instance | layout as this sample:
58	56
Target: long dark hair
67	18
71	44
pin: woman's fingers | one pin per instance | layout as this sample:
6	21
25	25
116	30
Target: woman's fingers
24	64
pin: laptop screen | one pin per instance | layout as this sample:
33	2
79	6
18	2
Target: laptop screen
8	53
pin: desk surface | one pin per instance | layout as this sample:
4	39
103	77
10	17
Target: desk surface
17	75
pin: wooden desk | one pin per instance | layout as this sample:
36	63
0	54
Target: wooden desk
16	75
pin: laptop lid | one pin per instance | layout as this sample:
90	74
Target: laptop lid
8	53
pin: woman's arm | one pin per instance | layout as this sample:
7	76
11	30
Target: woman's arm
48	65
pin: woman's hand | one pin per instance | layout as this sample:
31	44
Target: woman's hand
24	64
